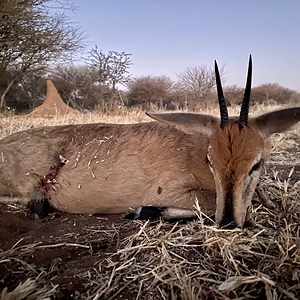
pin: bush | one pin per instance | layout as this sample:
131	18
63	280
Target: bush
273	93
234	94
269	93
146	90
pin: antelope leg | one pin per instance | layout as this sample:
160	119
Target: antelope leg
167	213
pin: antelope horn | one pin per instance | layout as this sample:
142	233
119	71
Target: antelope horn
222	102
245	105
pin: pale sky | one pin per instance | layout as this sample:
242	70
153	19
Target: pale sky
165	36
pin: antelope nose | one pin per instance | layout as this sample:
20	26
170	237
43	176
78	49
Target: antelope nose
230	222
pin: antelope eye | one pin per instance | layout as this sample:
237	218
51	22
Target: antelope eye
255	167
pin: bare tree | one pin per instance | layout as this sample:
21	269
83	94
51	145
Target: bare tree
111	68
31	36
198	82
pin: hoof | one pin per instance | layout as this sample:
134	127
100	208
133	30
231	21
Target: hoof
145	213
40	208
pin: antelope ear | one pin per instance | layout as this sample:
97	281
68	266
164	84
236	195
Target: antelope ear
277	121
188	122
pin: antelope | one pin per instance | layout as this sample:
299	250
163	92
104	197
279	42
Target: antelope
156	168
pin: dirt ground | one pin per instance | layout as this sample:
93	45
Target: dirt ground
76	245
69	250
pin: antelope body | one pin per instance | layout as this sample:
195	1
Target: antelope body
110	168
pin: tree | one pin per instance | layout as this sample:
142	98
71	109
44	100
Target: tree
197	82
34	85
144	90
111	68
31	37
16	99
75	85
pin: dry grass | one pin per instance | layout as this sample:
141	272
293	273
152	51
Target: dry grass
28	291
10	124
197	260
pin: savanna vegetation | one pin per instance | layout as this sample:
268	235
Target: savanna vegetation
106	257
66	256
39	42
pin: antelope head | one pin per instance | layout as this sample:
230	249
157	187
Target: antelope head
237	148
236	153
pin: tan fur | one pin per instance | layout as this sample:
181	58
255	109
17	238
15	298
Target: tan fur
103	168
233	151
109	168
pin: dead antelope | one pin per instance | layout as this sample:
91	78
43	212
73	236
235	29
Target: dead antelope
151	167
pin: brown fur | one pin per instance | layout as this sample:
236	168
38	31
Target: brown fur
233	151
103	168
183	158
109	168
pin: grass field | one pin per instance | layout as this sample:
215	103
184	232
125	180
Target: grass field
10	124
105	257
